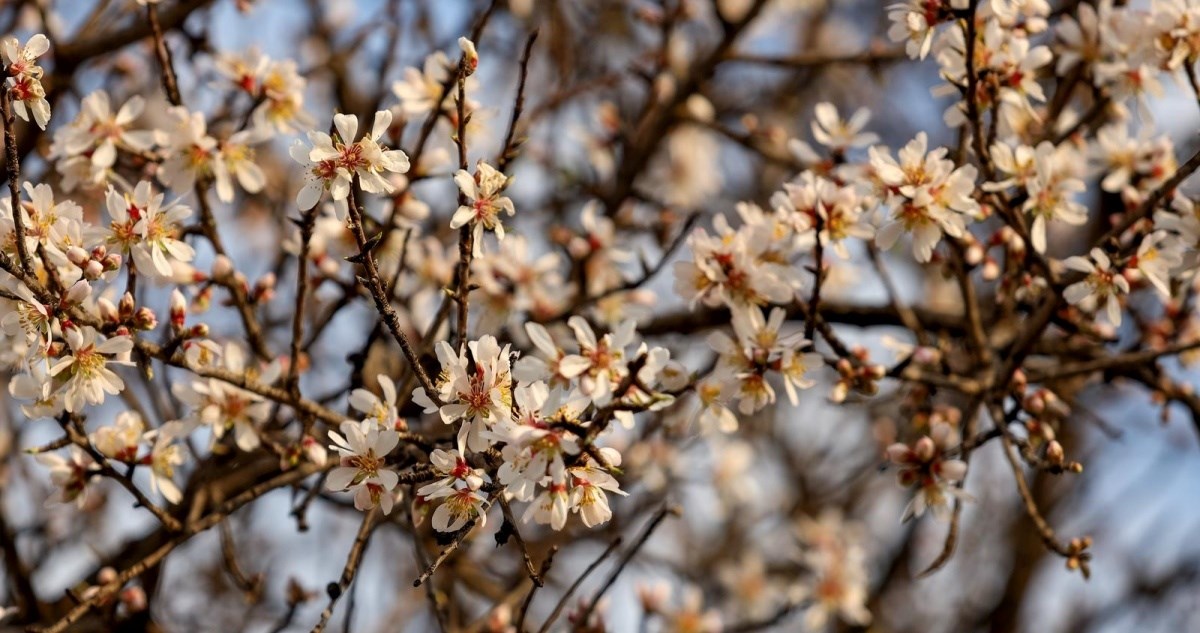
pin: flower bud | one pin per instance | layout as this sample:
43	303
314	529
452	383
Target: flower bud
93	269
314	450
78	292
1054	453
974	254
1019	380
991	269
134	599
925	449
700	108
222	267
664	87
108	311
126	306
470	58
106	575
145	319
178	311
78	256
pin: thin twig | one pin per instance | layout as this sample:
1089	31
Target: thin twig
625	559
353	559
566	597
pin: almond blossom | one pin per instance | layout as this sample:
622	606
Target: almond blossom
381	410
332	163
924	466
85	368
484	203
1102	283
23	82
362	449
225	407
89	144
475	389
70	475
148	231
927	195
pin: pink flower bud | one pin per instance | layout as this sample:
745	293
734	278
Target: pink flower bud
470	55
134	599
314	450
93	269
178	310
975	254
222	267
925	449
108	311
78	292
78	256
991	269
899	453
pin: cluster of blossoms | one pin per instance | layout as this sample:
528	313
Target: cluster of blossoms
23	77
544	412
87	150
333	163
925	467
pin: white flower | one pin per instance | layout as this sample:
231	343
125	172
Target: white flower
235	160
928	196
924	466
420	91
589	487
460	505
191	152
552	506
1102	283
454	472
382	412
714	393
121	440
225	407
760	348
24	77
477	391
71	475
142	227
606	358
165	455
86	367
552	363
97	133
362	448
734	268
1158	255
332	163
484	203
830	130
1053	191
913	22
